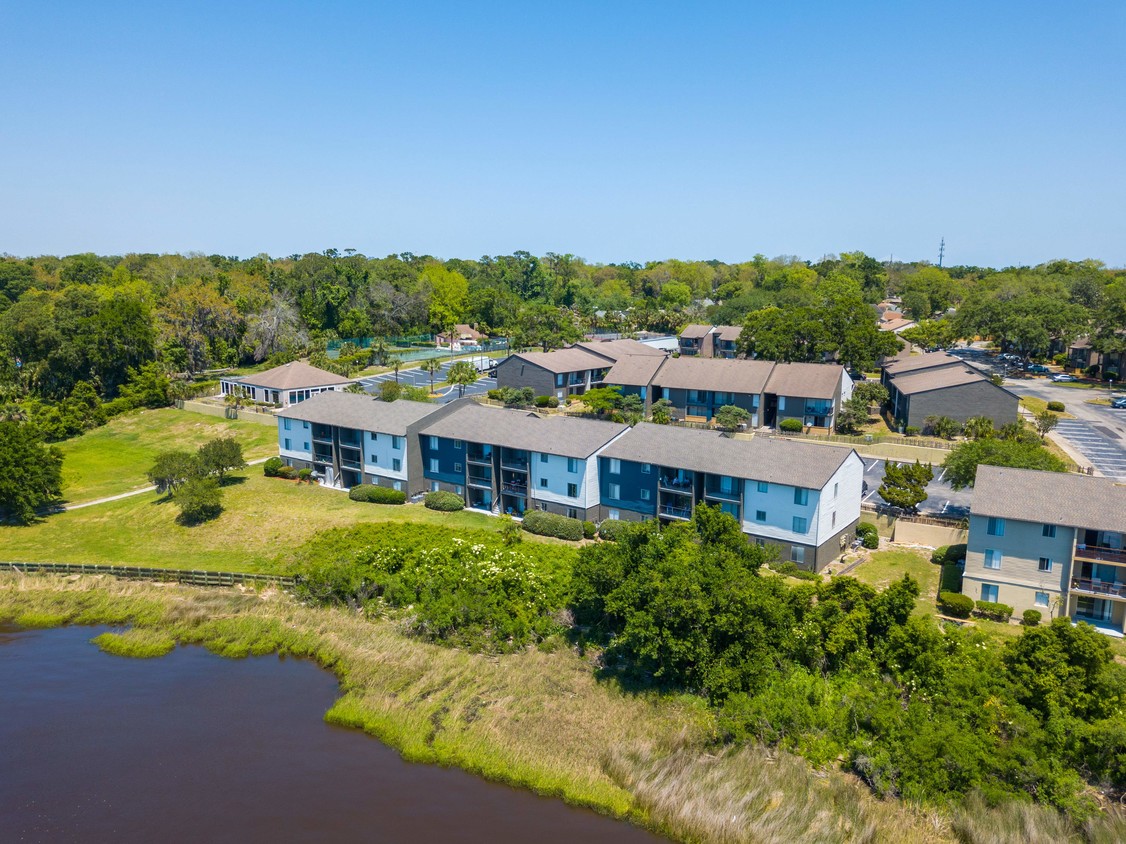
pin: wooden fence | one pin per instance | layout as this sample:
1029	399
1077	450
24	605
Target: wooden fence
866	439
189	577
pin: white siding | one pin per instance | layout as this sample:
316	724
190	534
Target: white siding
379	456
554	471
846	387
298	436
848	482
778	504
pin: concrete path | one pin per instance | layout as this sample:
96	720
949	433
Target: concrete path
256	462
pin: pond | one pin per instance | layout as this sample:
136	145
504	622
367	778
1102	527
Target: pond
194	747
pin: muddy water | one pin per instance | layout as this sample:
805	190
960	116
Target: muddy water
194	748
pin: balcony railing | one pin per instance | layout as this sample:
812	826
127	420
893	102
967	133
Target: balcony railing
350	464
1101	555
671	512
515	487
485	457
480	480
724	494
322	456
1102	588
676	484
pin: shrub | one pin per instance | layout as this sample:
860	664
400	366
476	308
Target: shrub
911	431
494	394
1056	406
589	530
948	554
790	426
305	476
271	467
546	401
199	499
791	569
866	532
956	604
552	524
374	494
287	472
612	529
447	502
1031	618
1060	359
994	611
1110	375
938	556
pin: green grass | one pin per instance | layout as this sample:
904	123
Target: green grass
262	518
114	458
885	567
1034	404
137	643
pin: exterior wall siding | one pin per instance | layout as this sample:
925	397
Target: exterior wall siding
960	403
1019	577
630	480
515	372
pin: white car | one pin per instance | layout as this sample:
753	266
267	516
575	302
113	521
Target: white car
1063	376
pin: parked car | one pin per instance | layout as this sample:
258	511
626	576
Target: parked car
1063	376
1119	403
1037	367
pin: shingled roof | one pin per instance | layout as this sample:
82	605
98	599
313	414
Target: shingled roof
292	376
914	363
620	348
1053	498
805	380
781	461
936	379
563	435
362	412
570	359
735	376
695	332
634	370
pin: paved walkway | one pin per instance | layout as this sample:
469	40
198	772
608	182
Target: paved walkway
133	492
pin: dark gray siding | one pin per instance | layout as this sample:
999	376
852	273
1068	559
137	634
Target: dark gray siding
679	400
517	373
961	402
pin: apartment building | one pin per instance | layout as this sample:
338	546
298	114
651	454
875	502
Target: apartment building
812	393
511	461
710	341
802	498
938	384
698	387
1049	541
349	439
570	371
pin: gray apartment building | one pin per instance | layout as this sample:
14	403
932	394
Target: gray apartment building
697	387
1049	541
812	393
710	341
938	384
570	371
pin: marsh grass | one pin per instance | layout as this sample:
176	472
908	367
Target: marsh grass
137	642
1026	823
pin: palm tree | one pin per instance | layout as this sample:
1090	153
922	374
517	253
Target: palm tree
432	366
396	363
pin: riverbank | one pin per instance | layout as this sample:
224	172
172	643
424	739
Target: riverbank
537	720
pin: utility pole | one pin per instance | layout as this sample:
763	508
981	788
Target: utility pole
941	251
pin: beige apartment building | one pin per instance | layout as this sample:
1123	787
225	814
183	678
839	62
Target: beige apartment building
1051	542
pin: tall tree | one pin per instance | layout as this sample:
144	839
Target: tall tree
32	474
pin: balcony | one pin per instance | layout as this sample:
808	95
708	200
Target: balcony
515	487
721	494
483	480
1113	556
350	463
1099	588
322	456
669	511
676	483
481	456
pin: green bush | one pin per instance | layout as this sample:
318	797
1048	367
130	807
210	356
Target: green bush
590	529
1056	406
994	611
791	569
447	502
494	394
305	475
949	554
790	426
938	556
1032	618
868	535
552	524
287	472
612	529
272	466
546	401
911	431
374	494
956	604
1060	359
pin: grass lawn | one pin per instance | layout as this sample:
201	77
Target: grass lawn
114	458
262	518
1035	404
884	567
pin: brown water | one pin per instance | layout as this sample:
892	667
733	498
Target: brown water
193	747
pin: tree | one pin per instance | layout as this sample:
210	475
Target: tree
219	456
1045	421
396	363
199	499
195	316
675	295
432	365
390	390
730	418
172	469
463	374
978	427
905	484
448	293
961	465
660	412
941	426
603	400
357	388
853	415
870	392
32	475
274	328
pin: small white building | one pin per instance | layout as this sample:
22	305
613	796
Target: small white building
285	385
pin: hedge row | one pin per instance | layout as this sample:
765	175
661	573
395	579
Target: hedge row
956	604
791	569
994	611
447	502
374	494
948	555
552	524
612	529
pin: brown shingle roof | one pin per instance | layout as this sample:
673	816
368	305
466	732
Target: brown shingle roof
634	370
805	380
571	359
293	376
364	413
781	461
1054	498
729	332
693	373
917	362
936	379
562	435
617	349
695	332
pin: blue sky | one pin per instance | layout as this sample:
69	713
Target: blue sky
614	131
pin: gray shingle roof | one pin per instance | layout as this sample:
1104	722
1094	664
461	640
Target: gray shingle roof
1054	498
618	349
729	332
292	376
914	363
695	332
693	373
807	380
563	435
937	379
634	370
780	461
364	413
571	359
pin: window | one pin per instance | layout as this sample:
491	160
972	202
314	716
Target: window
288	447
287	423
396	464
1045	564
433	464
433	442
397	485
781	402
434	486
459	490
573	490
1050	531
543	483
457	443
836	489
543	458
646	468
374	459
760	515
1041	599
833	516
801	496
572	465
373	436
800	524
644	495
616	490
306	446
613	514
559	380
615	466
989	592
992	559
763	486
797	554
543	506
572	513
996	527
396	442
457	467
305	425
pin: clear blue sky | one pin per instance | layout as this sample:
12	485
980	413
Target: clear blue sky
611	130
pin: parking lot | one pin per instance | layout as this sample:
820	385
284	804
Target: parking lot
1098	443
941	499
418	377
